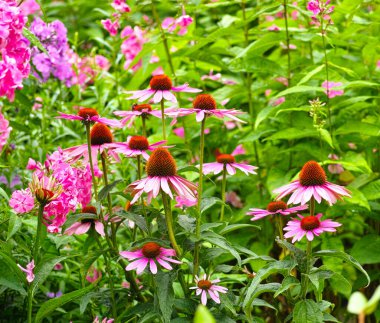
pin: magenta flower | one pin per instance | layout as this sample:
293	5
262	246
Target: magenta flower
312	182
171	24
143	111
162	175
5	130
133	41
234	199
22	201
228	161
335	168
105	320
85	225
310	226
120	6
135	146
150	253
93	274
274	27
111	26
184	202
205	105
211	76
28	270
330	92
89	115
206	286
30	7
278	207
160	88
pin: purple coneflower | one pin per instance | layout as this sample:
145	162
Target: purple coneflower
205	286
161	87
278	207
150	253
310	226
85	225
89	115
312	182
162	175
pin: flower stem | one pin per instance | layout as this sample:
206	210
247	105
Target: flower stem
287	38
91	161
200	184
223	192
327	75
139	174
143	126
30	304
278	219
163	119
305	278
40	232
169	223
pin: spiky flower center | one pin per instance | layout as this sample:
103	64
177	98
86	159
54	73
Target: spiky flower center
138	143
43	195
87	113
225	159
312	174
161	82
151	250
275	206
204	102
161	163
309	223
141	107
204	284
89	209
100	134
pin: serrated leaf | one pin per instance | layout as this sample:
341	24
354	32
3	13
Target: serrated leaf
165	293
233	227
307	311
34	40
136	218
10	275
107	189
288	282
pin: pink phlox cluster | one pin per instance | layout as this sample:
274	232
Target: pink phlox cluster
5	130
121	6
133	41
29	7
14	49
331	92
111	26
320	9
53	37
171	24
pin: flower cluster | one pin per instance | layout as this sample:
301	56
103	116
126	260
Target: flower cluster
181	23
320	9
53	37
5	130
331	92
133	41
14	49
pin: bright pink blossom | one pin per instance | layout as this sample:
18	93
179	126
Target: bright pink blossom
5	130
308	226
28	270
22	201
120	5
274	27
111	26
133	41
273	209
29	7
330	91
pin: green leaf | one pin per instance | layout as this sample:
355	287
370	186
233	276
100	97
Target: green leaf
43	270
203	315
51	305
233	227
209	202
11	275
309	75
78	217
300	89
293	133
366	250
288	282
363	128
340	284
34	40
346	257
325	135
165	293
221	242
3	194
15	223
307	311
372	190
186	222
373	301
138	219
107	189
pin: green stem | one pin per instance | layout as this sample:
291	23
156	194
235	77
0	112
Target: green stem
91	161
40	232
169	223
163	119
200	187
143	126
278	219
287	39
327	75
30	305
312	206
223	192
305	278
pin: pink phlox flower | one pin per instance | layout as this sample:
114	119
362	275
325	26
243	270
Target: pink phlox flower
28	270
22	201
261	213
335	168
95	118
93	274
274	27
120	5
278	101
161	88
180	132
29	7
233	199
58	266
184	202
111	26
136	146
5	131
211	76
151	253
205	286
133	41
226	161
330	91
38	103
309	226
170	24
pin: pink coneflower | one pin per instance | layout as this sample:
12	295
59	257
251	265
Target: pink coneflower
28	270
89	115
161	87
150	253
205	105
310	226
228	161
135	146
206	286
278	207
162	175
312	182
85	225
